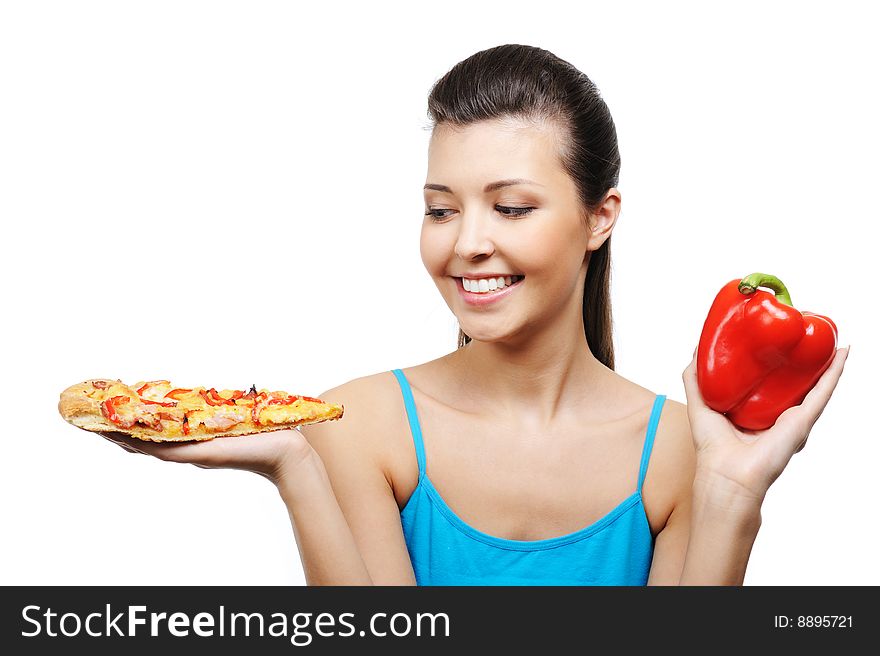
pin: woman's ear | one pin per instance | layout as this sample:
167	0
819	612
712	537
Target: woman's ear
603	219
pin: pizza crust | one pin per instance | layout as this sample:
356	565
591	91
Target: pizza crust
84	412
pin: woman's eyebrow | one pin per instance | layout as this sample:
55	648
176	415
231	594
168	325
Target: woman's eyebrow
492	186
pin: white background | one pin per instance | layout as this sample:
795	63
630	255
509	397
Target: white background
230	193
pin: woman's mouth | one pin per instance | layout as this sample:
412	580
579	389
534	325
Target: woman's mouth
487	290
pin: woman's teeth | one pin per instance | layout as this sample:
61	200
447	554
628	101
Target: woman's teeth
485	285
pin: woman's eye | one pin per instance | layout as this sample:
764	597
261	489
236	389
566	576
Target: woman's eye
433	213
438	213
513	211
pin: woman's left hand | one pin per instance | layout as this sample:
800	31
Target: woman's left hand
745	463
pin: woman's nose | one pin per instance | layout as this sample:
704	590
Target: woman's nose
474	237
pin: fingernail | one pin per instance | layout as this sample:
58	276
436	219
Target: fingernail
847	350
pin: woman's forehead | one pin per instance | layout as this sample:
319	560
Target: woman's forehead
508	148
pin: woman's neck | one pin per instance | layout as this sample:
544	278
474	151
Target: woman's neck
533	379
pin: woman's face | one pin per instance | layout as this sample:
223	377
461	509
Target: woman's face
499	204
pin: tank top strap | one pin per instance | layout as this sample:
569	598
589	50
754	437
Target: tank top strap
413	417
649	438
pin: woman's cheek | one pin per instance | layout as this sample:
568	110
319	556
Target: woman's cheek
432	251
552	256
538	249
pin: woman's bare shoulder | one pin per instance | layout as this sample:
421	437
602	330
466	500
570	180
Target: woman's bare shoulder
370	393
379	393
673	455
373	426
670	477
677	452
673	445
671	468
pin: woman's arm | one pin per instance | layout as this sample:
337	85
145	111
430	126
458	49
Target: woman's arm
709	536
330	552
711	526
707	539
327	548
723	528
341	503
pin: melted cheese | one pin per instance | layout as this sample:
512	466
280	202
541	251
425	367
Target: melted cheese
155	391
282	414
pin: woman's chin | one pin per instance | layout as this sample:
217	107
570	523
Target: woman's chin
489	335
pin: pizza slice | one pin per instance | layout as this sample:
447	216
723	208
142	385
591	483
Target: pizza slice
158	411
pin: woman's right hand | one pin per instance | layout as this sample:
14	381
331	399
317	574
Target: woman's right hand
272	454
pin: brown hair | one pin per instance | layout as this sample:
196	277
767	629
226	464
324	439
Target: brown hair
528	82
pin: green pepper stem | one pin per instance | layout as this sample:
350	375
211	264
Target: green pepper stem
750	284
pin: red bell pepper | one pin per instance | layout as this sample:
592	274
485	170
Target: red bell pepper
147	386
108	408
168	404
758	355
177	393
212	397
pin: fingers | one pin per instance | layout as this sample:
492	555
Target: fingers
132	444
817	398
805	415
691	389
113	436
121	440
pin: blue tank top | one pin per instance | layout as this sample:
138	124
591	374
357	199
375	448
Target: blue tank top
614	550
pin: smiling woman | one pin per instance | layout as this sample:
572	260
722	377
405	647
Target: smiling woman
521	456
538	91
534	224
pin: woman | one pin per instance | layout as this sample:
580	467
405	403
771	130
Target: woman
521	457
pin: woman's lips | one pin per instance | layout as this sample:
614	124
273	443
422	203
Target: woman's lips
485	298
